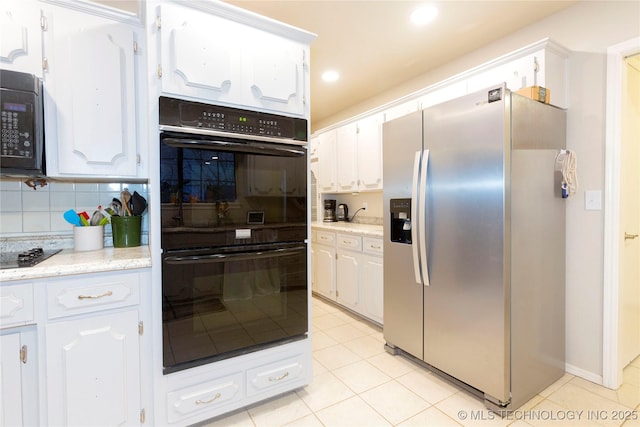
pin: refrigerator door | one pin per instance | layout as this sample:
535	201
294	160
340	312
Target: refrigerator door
402	139
466	305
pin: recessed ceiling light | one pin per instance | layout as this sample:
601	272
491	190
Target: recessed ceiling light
424	14
330	76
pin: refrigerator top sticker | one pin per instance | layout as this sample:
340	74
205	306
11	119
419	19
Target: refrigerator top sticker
495	95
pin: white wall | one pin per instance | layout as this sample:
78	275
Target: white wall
587	29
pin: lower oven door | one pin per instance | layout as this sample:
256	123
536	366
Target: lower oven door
230	301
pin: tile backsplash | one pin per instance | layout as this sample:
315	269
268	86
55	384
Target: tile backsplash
26	212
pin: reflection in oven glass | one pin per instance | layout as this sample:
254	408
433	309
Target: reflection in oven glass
232	306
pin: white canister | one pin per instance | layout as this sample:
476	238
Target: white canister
88	238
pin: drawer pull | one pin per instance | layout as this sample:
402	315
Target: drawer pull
281	377
204	402
106	294
375	246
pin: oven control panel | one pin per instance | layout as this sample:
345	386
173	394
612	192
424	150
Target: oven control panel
188	114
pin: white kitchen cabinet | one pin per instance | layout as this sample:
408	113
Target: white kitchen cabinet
314	267
92	348
216	59
93	370
348	271
353	266
543	64
346	159
369	152
400	110
372	283
325	264
442	94
18	377
91	94
327	169
20	36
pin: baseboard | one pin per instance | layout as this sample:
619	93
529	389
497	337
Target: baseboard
579	372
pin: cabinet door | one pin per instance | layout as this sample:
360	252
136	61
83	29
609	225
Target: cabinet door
346	158
18	378
20	36
348	279
327	162
372	290
326	271
200	55
370	153
93	370
276	77
90	97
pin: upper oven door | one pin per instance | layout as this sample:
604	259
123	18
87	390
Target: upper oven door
219	191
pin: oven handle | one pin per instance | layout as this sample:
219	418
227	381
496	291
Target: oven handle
245	147
211	258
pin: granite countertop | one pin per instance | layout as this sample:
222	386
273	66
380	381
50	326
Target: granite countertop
69	262
371	230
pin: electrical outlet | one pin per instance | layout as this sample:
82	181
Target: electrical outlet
364	205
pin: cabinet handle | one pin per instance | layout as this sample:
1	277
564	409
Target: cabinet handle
375	246
106	294
23	354
214	398
628	236
281	377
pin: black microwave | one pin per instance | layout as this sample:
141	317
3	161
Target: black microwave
22	135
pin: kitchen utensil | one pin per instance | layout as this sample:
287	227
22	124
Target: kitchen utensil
125	197
96	218
116	206
72	217
138	204
84	218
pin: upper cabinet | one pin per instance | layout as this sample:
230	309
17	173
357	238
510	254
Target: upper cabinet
91	94
543	64
20	40
350	155
207	56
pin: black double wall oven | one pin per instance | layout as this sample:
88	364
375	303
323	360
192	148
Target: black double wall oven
234	230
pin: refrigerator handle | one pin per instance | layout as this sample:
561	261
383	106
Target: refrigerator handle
415	232
422	218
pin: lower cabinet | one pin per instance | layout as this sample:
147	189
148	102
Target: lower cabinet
324	261
92	349
347	269
207	391
71	350
93	370
18	377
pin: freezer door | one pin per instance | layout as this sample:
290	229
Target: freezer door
466	305
403	323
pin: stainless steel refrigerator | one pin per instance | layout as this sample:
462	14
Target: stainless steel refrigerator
474	242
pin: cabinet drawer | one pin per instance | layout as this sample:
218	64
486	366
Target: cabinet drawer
94	293
348	241
16	304
274	375
326	238
207	395
372	246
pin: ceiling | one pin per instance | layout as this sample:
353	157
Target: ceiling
375	49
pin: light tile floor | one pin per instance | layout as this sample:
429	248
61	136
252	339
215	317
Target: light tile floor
356	383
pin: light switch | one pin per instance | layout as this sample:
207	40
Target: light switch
593	200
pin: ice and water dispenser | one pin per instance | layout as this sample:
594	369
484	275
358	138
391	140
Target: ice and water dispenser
400	220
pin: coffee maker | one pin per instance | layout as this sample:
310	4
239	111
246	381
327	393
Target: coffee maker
329	210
